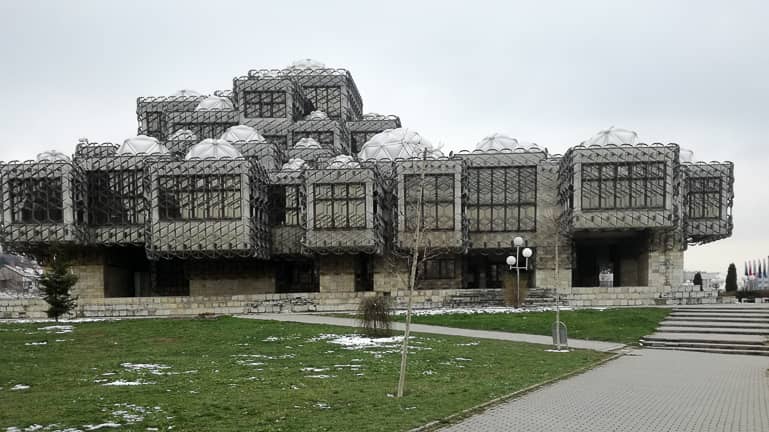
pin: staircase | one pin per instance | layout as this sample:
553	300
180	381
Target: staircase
727	329
542	297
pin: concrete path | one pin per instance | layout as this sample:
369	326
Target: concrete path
449	331
649	391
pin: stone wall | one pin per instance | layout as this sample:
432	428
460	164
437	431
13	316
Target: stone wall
612	296
232	287
337	274
90	282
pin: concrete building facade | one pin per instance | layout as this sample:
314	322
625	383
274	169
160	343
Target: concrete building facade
283	189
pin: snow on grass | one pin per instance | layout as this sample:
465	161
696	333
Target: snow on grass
20	387
128	383
557	351
58	329
478	310
36	343
469	344
312	369
101	426
320	376
322	405
155	369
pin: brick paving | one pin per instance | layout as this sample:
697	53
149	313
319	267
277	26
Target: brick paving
647	391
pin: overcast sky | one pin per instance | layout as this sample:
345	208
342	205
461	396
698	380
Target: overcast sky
691	72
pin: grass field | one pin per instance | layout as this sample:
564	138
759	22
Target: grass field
625	325
232	374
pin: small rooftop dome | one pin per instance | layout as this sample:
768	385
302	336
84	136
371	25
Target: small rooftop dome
186	92
397	143
306	63
307	143
497	142
215	103
294	164
212	149
686	155
613	136
183	135
316	115
343	161
52	156
242	133
141	144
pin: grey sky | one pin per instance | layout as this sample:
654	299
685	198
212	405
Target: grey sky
691	72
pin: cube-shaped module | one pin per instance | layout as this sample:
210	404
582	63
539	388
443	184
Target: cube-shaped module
344	209
330	134
270	97
617	187
42	202
152	112
203	123
117	209
332	91
503	195
275	131
708	198
208	208
430	191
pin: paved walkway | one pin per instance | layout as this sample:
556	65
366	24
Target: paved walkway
648	391
449	331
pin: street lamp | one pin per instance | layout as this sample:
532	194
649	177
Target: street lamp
514	263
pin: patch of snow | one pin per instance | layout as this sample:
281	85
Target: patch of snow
322	405
20	387
312	369
478	310
428	372
271	339
36	343
463	359
469	344
556	351
101	426
58	329
154	369
127	383
321	376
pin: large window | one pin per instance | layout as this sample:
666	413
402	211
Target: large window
36	200
623	186
205	129
502	199
437	269
704	198
155	124
264	104
195	197
115	197
326	99
285	205
437	201
340	205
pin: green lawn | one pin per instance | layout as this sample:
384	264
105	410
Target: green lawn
232	374
625	325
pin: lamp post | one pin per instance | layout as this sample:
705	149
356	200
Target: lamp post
514	263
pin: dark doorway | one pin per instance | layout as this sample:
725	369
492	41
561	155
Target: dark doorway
621	254
364	275
297	276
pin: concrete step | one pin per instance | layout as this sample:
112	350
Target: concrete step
709	338
713	350
681	344
718	309
726	330
715	319
728	316
711	324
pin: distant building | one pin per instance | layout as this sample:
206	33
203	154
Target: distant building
19	282
282	185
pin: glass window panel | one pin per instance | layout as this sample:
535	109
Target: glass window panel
323	191
430	217
340	191
528	215
411	187
608	171
639	170
340	214
498	186
623	193
484	218
445	187
472	217
498	218
357	190
590	171
411	217
607	194
511	187
623	171
484	186
429	189
472	186
637	193
323	214
511	218
445	216
590	194
656	170
655	193
528	190
357	213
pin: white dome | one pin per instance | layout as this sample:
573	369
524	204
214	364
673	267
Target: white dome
316	115
212	149
686	155
52	156
397	143
613	136
307	143
307	63
242	133
497	142
294	164
141	144
186	92
215	103
343	161
183	134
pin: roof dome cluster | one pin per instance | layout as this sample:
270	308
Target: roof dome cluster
343	161
51	156
613	136
294	164
306	63
400	143
316	115
497	142
186	93
307	143
142	145
215	103
212	149
242	133
183	135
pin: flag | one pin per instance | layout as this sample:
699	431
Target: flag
746	269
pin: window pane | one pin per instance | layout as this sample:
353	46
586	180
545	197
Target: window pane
357	213
498	218
623	193
484	218
446	216
357	190
607	194
484	186
340	214
445	186
511	187
590	194
323	214
528	222
511	219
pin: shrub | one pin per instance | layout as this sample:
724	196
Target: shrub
375	315
57	282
